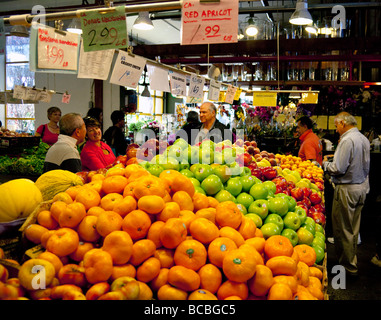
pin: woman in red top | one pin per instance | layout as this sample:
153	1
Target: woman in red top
49	132
95	154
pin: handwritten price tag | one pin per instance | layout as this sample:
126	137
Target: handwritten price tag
104	31
57	50
178	84
196	87
230	93
214	90
215	22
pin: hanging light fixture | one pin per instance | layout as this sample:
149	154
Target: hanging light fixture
143	21
20	31
145	92
301	16
251	30
312	28
75	26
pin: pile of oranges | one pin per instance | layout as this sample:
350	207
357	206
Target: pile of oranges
306	168
130	235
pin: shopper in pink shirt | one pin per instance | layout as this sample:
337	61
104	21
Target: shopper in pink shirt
49	132
95	154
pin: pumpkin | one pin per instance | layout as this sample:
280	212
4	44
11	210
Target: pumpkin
52	182
18	199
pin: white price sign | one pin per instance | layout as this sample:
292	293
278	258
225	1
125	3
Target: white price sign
196	87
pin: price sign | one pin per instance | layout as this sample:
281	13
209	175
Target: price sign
102	31
215	22
265	99
57	50
214	90
196	87
178	84
66	98
230	93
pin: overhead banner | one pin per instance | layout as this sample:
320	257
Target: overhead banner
102	31
265	99
211	22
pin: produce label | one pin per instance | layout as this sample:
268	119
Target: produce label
309	97
102	31
265	99
196	87
178	84
57	49
214	22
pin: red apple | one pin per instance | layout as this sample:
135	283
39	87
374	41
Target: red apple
83	175
302	205
320	185
269	173
253	165
72	274
121	159
297	193
319	217
247	159
315	198
257	173
320	207
290	184
282	182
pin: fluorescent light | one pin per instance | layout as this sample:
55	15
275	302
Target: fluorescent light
75	26
143	21
301	16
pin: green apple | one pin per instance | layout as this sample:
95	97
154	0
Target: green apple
206	155
234	186
301	213
320	253
242	208
258	191
319	228
275	218
202	171
259	207
246	172
228	155
317	241
218	158
227	143
224	195
144	164
320	235
170	163
193	154
187	173
270	229
211	184
155	169
278	205
245	199
292	221
271	187
256	218
207	144
157	159
304	236
291	200
291	235
199	190
310	221
223	172
176	152
184	164
181	143
236	169
247	182
308	227
195	182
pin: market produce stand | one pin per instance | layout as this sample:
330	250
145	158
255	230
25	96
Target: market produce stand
248	227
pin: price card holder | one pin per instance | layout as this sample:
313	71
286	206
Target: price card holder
102	31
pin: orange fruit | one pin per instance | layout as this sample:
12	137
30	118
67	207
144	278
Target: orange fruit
34	232
203	230
282	265
63	242
316	272
148	270
141	251
119	245
171	210
166	257
110	200
57	208
45	236
128	170
261	282
233	234
306	254
202	294
247	228
53	259
148	186
81	250
258	233
97	176
129	189
72	215
210	277
200	201
280	291
88	197
187	217
114	183
108	222
302	274
218	248
173	232
184	200
252	251
152	204
257	242
125	206
191	254
230	288
98	265
73	190
183	278
176	181
45	219
278	245
213	202
87	229
207	213
228	215
96	185
239	265
289	280
160	280
123	271
137	175
168	292
136	224
154	233
145	292
63	196
95	211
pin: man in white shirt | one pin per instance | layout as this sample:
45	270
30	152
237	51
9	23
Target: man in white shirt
64	153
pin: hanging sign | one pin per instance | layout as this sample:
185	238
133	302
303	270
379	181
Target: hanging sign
214	90
66	98
265	99
309	97
230	94
237	94
158	78
178	84
213	22
127	70
19	92
2	36
221	96
102	31
95	64
196	87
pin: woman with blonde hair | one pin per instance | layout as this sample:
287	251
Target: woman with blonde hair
49	132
